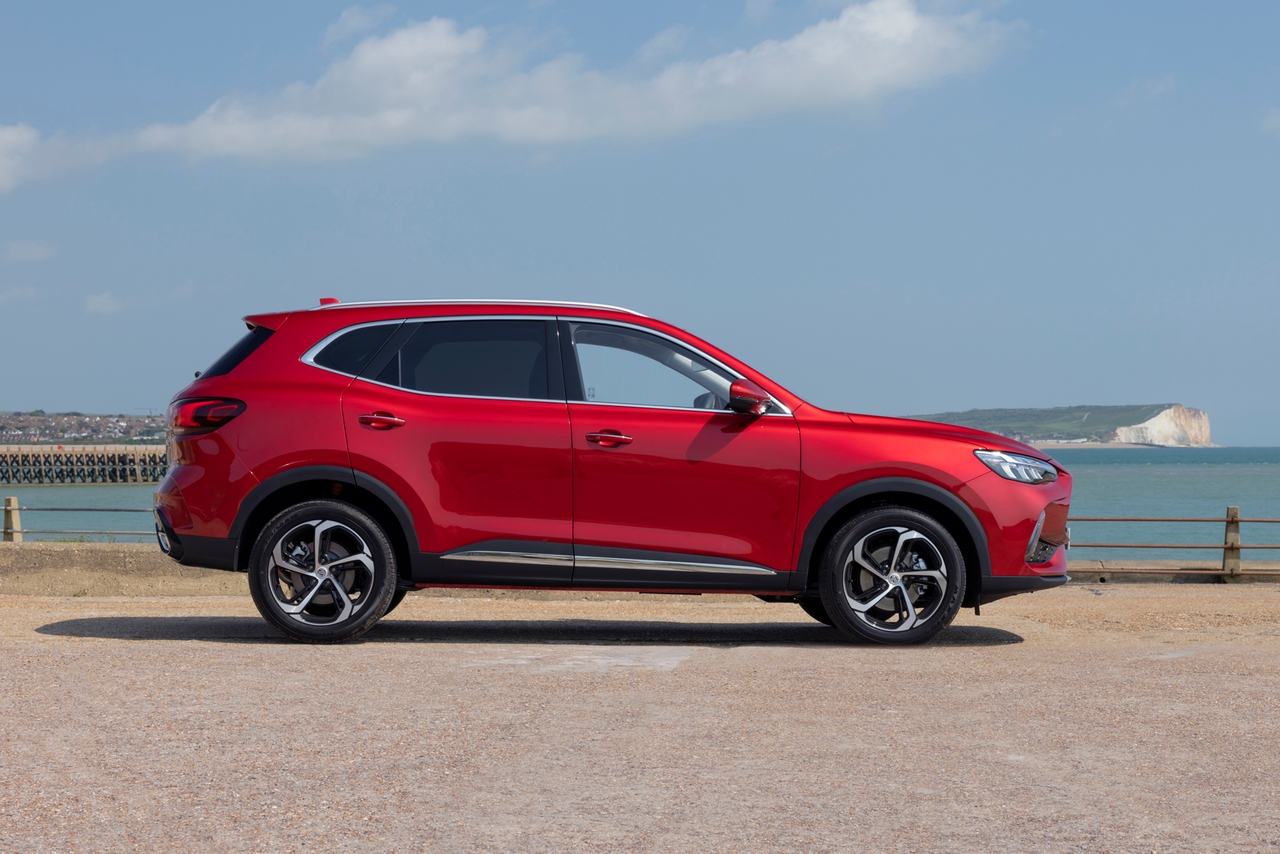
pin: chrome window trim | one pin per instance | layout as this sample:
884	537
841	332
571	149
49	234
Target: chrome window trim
782	409
308	358
546	303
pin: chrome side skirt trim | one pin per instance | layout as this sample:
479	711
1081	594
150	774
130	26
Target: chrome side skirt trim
511	557
669	565
587	562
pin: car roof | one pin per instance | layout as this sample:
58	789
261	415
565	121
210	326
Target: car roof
555	303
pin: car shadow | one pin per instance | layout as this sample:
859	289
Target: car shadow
607	632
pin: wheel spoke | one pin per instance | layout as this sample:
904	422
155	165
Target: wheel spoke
279	558
859	605
347	605
306	600
364	560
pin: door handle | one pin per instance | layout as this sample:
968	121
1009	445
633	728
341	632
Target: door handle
608	438
381	421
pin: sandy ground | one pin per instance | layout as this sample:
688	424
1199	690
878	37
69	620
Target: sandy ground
1091	718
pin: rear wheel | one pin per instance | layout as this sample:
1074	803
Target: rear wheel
322	572
396	599
892	575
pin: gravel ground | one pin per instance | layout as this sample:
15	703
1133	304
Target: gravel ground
1091	718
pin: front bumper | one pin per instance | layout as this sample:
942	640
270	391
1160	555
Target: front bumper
1000	586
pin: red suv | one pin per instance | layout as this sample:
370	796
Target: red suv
345	455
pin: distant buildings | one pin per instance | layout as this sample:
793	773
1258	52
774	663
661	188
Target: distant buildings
75	428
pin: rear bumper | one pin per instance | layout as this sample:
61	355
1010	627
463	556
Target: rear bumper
999	586
189	550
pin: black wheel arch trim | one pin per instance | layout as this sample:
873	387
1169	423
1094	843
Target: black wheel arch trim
338	474
866	489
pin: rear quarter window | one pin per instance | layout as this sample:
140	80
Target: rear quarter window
351	351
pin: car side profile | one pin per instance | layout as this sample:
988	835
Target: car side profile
347	454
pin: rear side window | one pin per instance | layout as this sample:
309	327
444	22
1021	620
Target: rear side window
475	358
351	351
238	352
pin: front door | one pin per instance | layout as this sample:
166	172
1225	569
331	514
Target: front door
671	489
466	421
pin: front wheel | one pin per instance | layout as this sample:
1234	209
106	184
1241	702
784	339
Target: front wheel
322	572
892	575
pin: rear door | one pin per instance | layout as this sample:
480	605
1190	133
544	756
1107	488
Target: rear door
465	419
671	489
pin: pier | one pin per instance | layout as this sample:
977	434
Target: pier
46	465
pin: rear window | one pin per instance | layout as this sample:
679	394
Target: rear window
238	352
475	358
351	351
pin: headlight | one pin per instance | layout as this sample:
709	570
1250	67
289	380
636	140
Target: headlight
1017	467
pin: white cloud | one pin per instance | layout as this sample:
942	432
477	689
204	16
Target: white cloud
16	294
665	43
756	10
17	143
355	20
102	304
27	251
1272	121
435	82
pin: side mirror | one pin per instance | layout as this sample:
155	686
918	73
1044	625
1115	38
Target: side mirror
747	398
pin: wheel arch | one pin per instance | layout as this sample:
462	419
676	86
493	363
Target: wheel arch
958	518
309	482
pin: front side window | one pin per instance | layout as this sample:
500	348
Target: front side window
474	358
626	366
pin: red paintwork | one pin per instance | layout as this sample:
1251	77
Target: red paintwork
468	469
700	482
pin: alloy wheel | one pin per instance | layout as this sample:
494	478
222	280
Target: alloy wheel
321	572
895	579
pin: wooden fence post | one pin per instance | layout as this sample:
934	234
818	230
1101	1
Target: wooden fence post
12	521
1231	546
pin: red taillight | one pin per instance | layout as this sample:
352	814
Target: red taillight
202	415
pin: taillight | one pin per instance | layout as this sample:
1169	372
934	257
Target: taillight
202	415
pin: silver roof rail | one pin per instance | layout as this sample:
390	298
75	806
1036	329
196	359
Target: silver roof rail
553	303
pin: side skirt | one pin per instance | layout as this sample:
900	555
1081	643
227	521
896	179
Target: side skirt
521	564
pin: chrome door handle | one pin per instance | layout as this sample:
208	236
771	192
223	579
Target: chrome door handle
608	438
381	421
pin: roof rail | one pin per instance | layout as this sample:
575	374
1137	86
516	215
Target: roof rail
478	302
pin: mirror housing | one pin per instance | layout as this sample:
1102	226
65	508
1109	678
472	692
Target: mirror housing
747	398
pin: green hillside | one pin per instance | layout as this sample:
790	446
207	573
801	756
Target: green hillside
1093	423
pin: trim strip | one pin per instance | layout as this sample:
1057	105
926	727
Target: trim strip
589	562
668	565
511	557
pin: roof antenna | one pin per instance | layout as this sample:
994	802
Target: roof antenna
329	300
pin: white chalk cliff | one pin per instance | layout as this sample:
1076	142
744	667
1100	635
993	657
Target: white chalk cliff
1177	427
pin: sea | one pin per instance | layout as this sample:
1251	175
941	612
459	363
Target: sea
1108	482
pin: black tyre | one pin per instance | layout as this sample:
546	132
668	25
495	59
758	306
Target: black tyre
892	575
813	606
322	572
396	599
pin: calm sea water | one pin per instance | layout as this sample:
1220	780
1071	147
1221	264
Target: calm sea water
1172	482
1108	482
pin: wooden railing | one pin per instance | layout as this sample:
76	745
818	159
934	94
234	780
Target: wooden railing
1230	545
13	530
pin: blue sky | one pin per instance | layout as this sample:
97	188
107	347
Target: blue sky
887	207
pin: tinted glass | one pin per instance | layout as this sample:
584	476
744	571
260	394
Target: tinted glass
621	365
350	352
238	352
479	358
